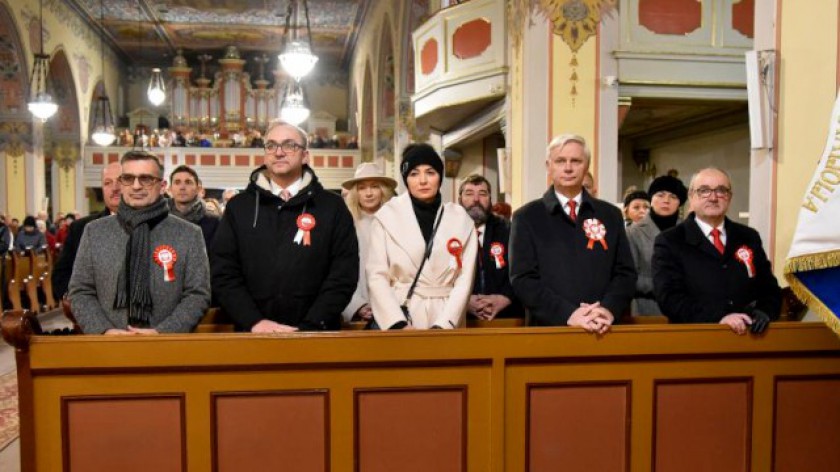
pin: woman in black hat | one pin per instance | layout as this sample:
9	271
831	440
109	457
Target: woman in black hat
636	207
667	195
403	232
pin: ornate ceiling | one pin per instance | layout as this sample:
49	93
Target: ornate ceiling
143	32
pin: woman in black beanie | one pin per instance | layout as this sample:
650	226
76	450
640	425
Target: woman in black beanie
399	236
667	195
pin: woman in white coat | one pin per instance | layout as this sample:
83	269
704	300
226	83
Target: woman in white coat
399	234
367	191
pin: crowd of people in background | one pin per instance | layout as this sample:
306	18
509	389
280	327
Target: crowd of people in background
251	138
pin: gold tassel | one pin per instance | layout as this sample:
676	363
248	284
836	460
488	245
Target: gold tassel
819	261
814	303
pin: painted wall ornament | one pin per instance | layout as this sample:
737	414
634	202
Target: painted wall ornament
575	21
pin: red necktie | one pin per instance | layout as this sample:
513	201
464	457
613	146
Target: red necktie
572	213
716	240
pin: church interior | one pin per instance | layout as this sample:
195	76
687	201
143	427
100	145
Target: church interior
654	86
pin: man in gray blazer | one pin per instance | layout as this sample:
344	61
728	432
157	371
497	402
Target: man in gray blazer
140	271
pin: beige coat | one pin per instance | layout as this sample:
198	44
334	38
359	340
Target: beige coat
360	296
396	250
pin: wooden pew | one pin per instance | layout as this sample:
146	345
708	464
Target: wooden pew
23	281
640	398
41	264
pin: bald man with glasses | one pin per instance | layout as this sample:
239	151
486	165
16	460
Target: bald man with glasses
710	269
140	271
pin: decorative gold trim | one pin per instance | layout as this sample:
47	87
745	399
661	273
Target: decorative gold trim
824	260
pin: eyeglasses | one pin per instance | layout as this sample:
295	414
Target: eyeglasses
145	179
720	192
286	146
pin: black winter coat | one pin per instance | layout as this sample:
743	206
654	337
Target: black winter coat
490	279
67	257
258	271
554	268
694	283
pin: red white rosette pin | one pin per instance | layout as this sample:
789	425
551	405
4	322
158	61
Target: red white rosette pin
455	248
165	256
497	250
305	223
595	231
745	255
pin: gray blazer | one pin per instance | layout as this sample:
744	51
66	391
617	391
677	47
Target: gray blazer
641	236
178	305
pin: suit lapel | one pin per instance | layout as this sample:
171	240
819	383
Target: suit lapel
401	223
695	237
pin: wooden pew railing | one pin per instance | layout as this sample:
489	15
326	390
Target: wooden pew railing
643	397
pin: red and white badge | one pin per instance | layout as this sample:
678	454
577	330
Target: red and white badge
305	223
596	232
497	250
456	248
745	255
165	256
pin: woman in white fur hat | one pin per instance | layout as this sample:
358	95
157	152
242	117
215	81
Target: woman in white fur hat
367	191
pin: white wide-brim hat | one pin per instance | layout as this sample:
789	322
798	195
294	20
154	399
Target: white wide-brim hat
369	171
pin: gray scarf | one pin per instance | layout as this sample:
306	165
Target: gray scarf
133	291
194	213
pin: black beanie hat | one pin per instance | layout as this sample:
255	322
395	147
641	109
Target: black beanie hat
637	195
669	184
29	221
418	154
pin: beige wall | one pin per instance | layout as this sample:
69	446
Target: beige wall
807	88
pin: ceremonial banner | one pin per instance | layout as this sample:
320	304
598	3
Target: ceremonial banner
813	263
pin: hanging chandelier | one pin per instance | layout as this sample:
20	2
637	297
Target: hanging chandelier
103	120
294	109
297	58
157	90
41	103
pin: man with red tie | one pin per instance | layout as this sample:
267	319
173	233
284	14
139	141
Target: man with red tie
570	259
710	269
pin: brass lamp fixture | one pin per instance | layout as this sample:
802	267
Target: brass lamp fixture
41	103
103	120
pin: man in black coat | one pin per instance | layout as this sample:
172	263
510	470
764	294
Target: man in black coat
570	259
111	194
185	188
285	256
710	269
492	294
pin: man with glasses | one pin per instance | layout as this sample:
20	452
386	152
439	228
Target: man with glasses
285	257
141	271
710	269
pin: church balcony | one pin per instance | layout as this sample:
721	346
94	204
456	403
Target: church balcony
460	62
221	168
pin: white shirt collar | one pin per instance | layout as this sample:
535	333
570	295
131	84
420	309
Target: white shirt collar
293	189
564	201
482	231
706	228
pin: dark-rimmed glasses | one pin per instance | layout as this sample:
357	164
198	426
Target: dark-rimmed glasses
145	180
286	146
720	192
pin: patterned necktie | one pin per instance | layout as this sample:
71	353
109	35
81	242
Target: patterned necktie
716	240
572	213
285	195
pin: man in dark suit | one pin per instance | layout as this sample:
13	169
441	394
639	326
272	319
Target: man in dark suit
492	295
570	259
111	193
710	269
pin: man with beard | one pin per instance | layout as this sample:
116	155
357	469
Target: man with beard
111	193
492	294
285	257
186	190
141	271
710	269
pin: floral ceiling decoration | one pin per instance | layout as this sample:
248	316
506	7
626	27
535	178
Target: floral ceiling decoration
575	21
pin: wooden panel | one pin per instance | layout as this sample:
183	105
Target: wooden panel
702	425
318	161
332	161
564	419
224	160
270	431
124	433
807	428
411	430
242	161
208	160
98	159
346	162
113	157
190	159
675	17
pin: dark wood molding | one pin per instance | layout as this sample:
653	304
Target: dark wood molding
18	327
